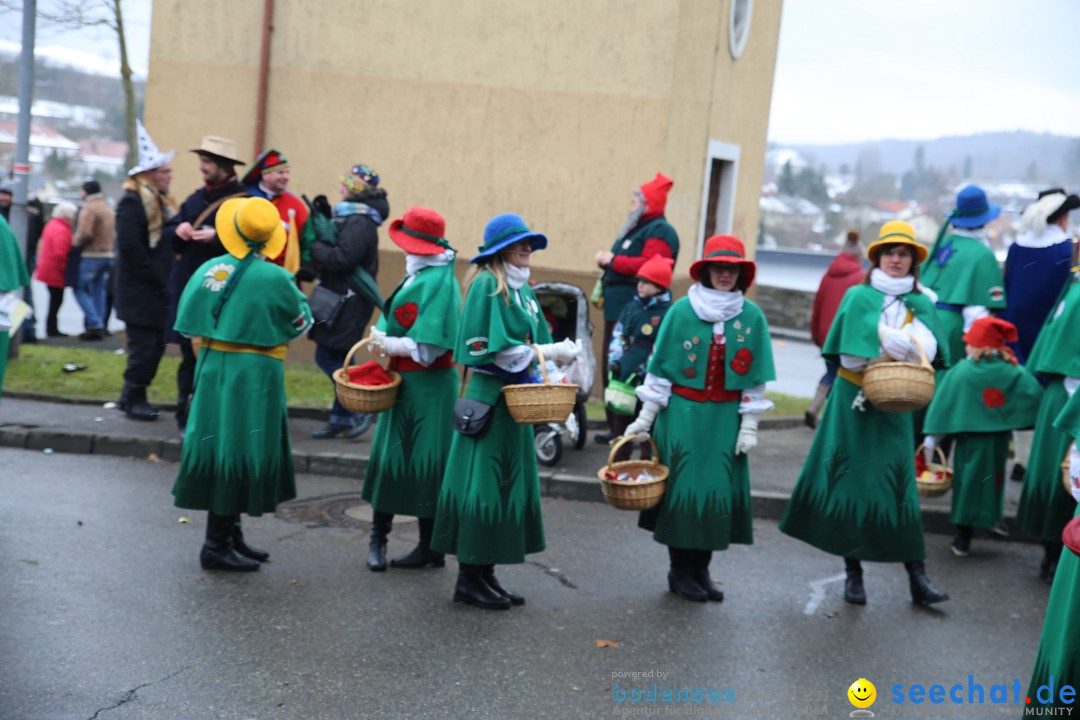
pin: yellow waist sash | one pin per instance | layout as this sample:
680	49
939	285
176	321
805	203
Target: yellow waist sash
277	351
850	375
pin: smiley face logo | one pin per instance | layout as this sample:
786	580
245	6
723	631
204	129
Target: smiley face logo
862	693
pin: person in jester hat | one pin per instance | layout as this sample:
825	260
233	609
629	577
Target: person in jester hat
489	505
1059	651
1045	507
635	334
856	495
13	276
268	177
962	269
980	401
705	390
417	330
240	313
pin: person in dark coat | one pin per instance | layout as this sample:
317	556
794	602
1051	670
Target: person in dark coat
143	261
362	209
191	236
844	271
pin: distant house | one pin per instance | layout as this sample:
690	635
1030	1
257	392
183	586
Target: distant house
44	141
105	156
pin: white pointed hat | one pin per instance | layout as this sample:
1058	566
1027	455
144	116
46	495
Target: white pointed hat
149	155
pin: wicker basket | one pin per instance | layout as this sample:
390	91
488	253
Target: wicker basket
632	495
535	403
364	398
895	387
936	479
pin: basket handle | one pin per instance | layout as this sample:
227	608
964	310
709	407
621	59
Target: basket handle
938	452
540	359
922	354
352	351
630	438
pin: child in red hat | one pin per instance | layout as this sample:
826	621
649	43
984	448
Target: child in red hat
632	342
980	401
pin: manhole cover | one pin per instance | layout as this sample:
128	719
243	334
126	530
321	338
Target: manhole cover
341	510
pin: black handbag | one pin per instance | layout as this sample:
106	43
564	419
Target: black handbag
326	305
472	418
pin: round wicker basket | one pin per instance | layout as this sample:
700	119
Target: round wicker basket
936	479
535	403
632	495
895	387
364	398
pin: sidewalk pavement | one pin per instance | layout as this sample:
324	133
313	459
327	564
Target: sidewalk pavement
64	427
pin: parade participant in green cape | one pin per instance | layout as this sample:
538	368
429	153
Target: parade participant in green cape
241	313
856	496
980	401
705	390
1059	651
489	506
962	269
417	330
13	276
1045	507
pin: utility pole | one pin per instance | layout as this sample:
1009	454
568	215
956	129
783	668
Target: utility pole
22	132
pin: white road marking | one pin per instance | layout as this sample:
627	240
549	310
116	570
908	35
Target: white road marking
817	592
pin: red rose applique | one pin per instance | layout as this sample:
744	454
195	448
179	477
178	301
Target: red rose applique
993	397
406	314
741	362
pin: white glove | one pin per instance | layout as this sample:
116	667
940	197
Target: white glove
897	344
747	439
1074	472
377	337
562	351
929	443
398	346
643	422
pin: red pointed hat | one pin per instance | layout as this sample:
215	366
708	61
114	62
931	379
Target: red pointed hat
726	249
655	193
991	332
657	269
420	232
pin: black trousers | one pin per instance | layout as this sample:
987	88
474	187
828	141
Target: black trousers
56	297
185	374
145	346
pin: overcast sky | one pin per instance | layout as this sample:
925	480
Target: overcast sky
847	70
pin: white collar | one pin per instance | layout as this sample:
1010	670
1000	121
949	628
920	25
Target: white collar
975	234
416	263
269	195
516	277
1050	235
883	282
715	305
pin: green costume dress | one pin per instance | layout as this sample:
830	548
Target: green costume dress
981	403
412	439
620	289
13	276
856	495
489	504
706	504
236	456
1045	506
1059	647
962	271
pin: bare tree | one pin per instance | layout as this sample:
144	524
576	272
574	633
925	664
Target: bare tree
74	14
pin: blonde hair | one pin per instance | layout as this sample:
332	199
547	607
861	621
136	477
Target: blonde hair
497	267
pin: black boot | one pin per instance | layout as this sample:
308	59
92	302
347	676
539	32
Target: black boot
702	558
472	589
961	544
923	591
122	404
380	528
1051	555
182	412
422	555
242	547
137	406
854	591
489	577
217	552
680	577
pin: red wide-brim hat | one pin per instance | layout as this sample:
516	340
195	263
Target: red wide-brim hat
420	232
726	249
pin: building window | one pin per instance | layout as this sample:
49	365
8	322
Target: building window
739	27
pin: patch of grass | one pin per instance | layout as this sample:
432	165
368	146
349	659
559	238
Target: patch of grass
39	369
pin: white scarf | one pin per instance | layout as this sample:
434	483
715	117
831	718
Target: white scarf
882	281
516	277
715	306
1051	235
976	234
416	263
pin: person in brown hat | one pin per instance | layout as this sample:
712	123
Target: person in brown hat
191	236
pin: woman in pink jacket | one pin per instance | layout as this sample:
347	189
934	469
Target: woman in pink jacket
52	258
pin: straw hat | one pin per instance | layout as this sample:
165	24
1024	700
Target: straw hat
246	223
219	147
897	232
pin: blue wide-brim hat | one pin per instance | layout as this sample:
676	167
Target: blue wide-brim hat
504	230
973	209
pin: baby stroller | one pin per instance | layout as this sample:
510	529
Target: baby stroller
566	309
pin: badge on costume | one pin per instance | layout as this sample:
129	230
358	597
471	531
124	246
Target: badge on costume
688	345
625	244
689	372
997	293
477	346
215	276
737	325
655	320
695	340
646	329
740	337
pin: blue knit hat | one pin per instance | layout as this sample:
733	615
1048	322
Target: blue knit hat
973	209
502	231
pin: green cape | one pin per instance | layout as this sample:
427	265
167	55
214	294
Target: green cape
855	328
489	325
13	273
991	395
1057	349
970	274
427	310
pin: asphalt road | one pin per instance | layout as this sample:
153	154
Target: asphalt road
106	614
